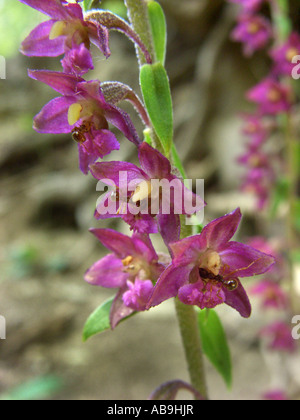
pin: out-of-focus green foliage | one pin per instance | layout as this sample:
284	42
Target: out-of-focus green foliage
16	21
36	389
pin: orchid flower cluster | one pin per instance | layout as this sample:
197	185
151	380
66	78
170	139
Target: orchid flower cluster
270	149
271	290
274	98
201	270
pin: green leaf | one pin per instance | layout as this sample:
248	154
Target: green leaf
159	30
35	389
98	321
157	97
214	343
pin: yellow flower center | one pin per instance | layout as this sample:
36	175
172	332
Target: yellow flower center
211	261
253	28
254	161
291	53
69	29
58	29
135	266
142	191
274	95
74	113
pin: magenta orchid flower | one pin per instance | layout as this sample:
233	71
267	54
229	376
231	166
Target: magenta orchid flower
256	129
143	193
259	182
275	395
65	33
284	54
279	337
254	31
206	268
255	158
271	294
133	268
84	112
271	96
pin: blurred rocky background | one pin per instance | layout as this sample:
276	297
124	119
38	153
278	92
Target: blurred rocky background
46	208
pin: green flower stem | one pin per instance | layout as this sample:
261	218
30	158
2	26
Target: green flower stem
138	15
283	28
188	323
186	314
189	329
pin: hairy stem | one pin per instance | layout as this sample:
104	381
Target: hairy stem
138	16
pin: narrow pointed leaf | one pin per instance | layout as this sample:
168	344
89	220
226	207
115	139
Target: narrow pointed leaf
157	97
98	321
214	343
159	30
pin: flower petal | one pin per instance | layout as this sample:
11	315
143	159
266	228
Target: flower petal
218	232
119	244
78	60
238	300
154	163
52	8
244	261
66	84
188	249
85	159
97	145
38	44
119	310
169	283
141	223
53	118
107	272
105	142
120	173
144	246
121	120
107	207
169	227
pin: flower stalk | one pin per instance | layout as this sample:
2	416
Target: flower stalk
280	12
188	324
187	318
